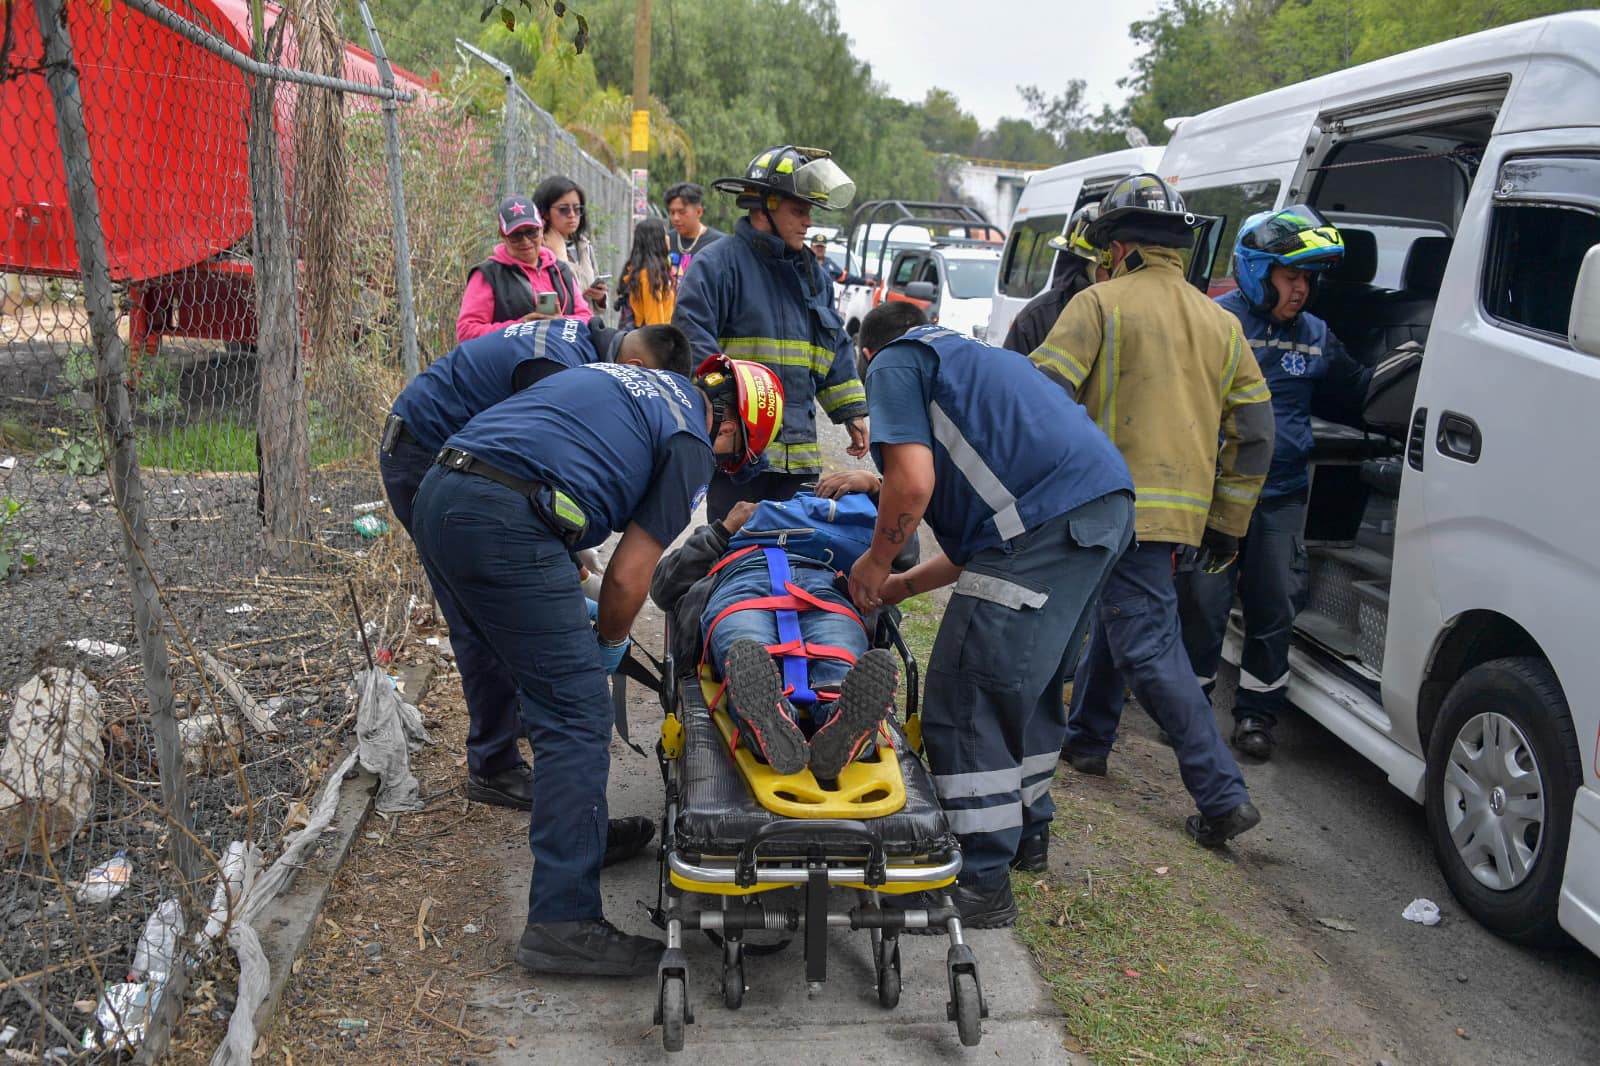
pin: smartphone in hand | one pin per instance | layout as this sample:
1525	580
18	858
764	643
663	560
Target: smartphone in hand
546	303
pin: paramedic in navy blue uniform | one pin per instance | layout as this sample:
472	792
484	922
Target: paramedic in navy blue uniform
472	378
553	469
1032	505
1276	260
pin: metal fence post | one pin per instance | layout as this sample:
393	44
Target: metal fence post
122	458
397	201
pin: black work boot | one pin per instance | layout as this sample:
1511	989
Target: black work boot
1093	765
1215	832
990	906
626	837
593	948
511	787
755	695
865	698
1253	737
1033	854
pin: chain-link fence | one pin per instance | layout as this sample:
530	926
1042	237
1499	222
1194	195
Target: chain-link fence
200	332
532	146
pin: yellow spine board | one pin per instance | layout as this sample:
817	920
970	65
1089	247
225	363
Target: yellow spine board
868	788
722	888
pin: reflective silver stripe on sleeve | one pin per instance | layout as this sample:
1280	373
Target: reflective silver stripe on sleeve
978	783
984	819
999	590
983	480
1034	791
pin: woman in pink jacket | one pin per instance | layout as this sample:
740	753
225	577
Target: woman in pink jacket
504	288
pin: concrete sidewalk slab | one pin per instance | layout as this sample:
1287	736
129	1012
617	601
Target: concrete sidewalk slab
540	1019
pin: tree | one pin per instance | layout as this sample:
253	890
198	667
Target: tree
1063	118
945	127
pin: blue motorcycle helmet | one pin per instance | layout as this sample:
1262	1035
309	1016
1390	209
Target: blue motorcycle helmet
1295	236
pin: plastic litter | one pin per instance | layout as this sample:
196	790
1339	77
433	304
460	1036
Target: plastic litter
1423	911
123	1014
8	1034
158	944
357	1024
368	507
8	463
102	648
106	881
370	525
243	608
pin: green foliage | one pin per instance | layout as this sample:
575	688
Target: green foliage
13	560
228	445
79	370
1200	54
77	453
157	386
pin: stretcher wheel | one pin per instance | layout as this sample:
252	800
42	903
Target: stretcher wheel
889	972
968	1008
674	1007
732	975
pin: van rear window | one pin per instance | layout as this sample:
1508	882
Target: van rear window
1025	268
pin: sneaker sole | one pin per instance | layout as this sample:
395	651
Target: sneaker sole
756	692
538	962
867	696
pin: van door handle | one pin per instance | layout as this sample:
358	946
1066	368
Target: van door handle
1459	437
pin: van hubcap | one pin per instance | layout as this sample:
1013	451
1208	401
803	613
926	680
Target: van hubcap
1494	801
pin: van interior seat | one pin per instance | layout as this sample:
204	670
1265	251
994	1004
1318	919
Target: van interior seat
1345	294
1406	315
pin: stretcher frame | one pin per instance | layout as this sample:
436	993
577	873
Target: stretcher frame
736	881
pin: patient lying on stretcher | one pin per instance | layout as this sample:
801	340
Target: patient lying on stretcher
755	598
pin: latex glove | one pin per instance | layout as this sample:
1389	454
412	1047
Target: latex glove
594	608
1217	551
611	658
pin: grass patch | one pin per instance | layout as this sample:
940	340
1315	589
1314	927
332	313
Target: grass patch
1142	952
228	445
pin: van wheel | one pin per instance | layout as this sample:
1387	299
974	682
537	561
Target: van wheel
1503	770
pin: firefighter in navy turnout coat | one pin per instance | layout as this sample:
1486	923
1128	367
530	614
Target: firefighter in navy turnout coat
1276	259
759	294
1032	505
472	378
556	468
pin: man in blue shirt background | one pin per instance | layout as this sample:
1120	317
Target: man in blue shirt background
472	378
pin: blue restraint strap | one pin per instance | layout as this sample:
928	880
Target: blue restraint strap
795	670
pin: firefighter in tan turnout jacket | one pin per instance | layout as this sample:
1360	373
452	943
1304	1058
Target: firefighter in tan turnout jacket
1167	375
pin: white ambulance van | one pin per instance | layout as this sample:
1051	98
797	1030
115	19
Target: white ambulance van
1452	550
1047	202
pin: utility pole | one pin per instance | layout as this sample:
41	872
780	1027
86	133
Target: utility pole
640	134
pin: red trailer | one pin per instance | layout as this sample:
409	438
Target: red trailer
166	124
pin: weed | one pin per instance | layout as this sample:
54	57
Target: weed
228	445
1144	957
78	453
79	370
13	559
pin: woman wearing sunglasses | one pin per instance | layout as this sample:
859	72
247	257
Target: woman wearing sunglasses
521	281
566	233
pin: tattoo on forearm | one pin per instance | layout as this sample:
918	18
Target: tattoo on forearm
897	533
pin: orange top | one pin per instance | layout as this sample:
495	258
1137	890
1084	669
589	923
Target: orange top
647	310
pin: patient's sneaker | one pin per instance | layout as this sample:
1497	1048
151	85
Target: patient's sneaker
865	698
755	693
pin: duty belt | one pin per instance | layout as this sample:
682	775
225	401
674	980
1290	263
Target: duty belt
558	510
394	432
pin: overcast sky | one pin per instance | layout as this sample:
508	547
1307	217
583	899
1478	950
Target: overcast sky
981	50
